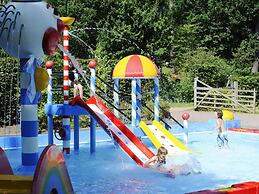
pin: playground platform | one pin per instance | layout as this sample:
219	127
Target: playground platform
250	121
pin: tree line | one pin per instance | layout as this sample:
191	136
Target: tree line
214	40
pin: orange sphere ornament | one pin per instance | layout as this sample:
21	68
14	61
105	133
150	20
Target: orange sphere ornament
92	64
185	116
49	64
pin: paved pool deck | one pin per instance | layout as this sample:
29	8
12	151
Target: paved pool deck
247	120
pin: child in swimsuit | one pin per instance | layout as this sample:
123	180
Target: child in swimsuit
158	162
222	133
78	88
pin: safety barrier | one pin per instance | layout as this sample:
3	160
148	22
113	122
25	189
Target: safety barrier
240	188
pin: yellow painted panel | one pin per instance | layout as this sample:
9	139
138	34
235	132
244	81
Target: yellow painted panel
67	20
168	135
150	135
120	68
15	184
149	68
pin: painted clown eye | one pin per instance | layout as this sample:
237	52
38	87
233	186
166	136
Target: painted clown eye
50	41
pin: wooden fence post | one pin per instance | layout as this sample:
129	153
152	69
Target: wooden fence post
234	99
254	101
195	92
236	93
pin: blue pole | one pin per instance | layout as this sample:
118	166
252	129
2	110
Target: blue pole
92	81
29	116
50	117
156	96
49	70
92	135
76	133
50	130
137	131
66	140
92	121
116	97
134	104
185	125
139	96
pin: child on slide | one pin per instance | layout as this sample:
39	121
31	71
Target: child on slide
158	162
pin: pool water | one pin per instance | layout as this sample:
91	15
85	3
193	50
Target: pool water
110	170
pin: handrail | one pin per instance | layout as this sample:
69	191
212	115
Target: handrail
123	96
57	73
105	99
171	117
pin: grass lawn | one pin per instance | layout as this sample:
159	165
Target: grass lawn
182	105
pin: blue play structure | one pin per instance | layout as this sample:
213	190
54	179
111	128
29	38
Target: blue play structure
134	68
66	110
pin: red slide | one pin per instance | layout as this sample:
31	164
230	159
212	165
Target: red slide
112	125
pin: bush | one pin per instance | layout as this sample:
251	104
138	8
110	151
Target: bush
207	67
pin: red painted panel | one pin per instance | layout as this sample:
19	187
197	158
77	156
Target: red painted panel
95	100
240	188
248	187
5	167
244	130
134	67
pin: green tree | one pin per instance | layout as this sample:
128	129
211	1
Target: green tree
203	64
9	90
222	25
243	62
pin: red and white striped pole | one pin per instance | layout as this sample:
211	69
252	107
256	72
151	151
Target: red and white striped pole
66	119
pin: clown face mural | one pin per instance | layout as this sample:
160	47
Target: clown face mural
28	28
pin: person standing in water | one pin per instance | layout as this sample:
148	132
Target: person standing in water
222	138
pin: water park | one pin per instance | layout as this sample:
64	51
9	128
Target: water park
112	154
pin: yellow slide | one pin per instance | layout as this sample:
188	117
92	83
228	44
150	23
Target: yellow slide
170	136
161	136
150	135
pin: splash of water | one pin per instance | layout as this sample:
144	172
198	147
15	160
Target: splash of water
75	64
81	72
115	33
73	60
9	118
84	43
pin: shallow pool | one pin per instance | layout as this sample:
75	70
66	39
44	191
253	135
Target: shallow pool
110	170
